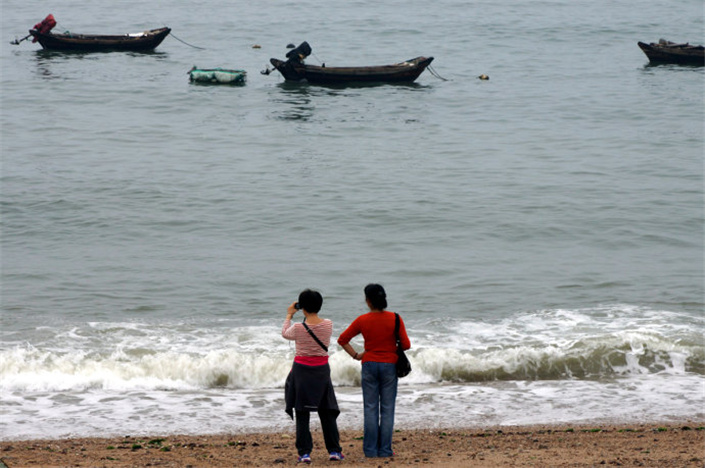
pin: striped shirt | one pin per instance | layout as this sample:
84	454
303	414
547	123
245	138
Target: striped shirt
305	344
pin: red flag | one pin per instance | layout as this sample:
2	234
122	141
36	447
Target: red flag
46	25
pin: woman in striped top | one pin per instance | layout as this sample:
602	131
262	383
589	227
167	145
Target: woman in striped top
309	386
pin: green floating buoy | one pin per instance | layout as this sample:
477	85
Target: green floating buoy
216	76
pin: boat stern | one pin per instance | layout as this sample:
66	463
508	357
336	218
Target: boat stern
288	70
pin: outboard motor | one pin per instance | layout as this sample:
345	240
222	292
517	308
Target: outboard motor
300	53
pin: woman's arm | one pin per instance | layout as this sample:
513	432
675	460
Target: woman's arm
345	337
288	330
351	351
403	337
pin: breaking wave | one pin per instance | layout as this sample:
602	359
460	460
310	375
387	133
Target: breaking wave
167	358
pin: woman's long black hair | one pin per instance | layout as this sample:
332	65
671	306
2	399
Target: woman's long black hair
376	295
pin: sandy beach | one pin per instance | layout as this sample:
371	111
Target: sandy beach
649	445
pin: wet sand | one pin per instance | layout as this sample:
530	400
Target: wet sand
650	445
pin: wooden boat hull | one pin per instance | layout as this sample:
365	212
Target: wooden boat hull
403	72
217	76
144	41
669	52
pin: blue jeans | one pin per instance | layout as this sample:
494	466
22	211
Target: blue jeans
379	394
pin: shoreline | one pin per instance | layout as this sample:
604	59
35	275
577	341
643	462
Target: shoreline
622	444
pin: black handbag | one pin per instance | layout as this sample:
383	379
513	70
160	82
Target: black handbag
403	364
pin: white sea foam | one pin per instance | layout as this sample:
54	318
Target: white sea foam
97	412
538	346
526	369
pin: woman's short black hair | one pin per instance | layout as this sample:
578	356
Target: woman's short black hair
311	301
376	295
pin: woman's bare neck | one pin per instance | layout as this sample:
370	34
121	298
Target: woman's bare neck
313	319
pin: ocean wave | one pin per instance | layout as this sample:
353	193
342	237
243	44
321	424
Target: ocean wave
624	354
32	369
596	358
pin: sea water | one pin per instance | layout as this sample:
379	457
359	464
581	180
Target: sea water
540	232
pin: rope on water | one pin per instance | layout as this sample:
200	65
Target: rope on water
319	60
434	73
190	45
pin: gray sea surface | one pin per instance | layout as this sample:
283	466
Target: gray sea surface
541	232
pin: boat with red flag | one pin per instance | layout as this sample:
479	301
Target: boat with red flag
68	41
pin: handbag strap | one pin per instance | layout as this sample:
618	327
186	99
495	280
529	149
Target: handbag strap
315	337
396	327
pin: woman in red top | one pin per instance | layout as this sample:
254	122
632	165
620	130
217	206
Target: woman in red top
379	376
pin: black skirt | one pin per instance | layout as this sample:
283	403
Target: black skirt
309	388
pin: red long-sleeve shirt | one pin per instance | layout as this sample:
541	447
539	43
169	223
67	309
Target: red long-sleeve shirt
377	329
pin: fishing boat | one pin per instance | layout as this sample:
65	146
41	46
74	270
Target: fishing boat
217	76
142	41
294	69
670	52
